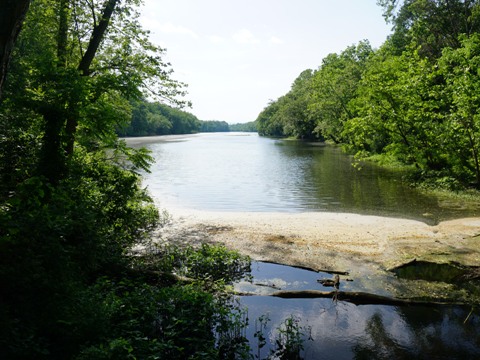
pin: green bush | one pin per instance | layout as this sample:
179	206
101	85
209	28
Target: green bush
211	263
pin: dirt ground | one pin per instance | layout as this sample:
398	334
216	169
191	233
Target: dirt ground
328	241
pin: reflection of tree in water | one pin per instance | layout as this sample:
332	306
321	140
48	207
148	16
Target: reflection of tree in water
433	334
443	334
381	345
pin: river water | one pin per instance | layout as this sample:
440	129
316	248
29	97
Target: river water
245	172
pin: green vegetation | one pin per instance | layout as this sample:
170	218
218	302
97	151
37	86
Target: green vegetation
289	340
214	126
154	118
413	101
246	127
72	210
71	205
159	119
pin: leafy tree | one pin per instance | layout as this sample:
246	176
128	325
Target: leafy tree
214	126
294	113
71	204
318	103
333	86
460	67
246	127
84	73
288	115
182	122
430	25
398	108
268	123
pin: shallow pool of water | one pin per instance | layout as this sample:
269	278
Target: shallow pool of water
340	330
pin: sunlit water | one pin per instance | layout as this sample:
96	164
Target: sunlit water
245	172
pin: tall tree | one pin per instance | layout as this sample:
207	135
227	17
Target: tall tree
460	69
431	25
334	85
11	20
94	57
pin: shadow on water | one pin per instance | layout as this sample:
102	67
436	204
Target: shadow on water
330	179
341	330
430	271
459	282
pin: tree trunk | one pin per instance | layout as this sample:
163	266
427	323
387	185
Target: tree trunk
84	66
356	297
52	163
63	33
11	19
97	37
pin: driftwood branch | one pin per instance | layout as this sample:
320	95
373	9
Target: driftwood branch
357	298
333	272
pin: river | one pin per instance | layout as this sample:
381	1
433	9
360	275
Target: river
245	173
248	173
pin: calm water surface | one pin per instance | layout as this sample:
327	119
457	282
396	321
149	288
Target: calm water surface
340	330
245	172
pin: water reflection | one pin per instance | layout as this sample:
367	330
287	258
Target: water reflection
430	334
344	331
228	172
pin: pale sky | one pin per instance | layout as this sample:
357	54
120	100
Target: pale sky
236	55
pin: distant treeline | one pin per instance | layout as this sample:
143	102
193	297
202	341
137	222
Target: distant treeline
414	101
153	118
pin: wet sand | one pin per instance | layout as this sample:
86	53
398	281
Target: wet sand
328	241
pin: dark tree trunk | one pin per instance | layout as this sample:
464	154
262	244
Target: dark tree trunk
52	162
63	33
12	15
87	59
97	37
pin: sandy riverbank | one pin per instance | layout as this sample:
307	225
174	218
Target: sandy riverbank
144	140
334	241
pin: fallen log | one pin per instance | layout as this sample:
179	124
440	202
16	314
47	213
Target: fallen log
358	298
333	272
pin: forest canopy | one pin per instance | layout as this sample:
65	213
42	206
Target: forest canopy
413	101
72	207
155	118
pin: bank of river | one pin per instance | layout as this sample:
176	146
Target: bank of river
365	246
300	205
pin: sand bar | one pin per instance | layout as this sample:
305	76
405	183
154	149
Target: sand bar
335	241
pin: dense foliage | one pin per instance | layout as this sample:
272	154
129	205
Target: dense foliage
154	118
245	127
414	100
71	206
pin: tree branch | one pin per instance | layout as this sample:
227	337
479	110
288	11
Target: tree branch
97	37
84	66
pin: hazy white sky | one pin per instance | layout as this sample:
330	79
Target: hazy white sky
236	55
